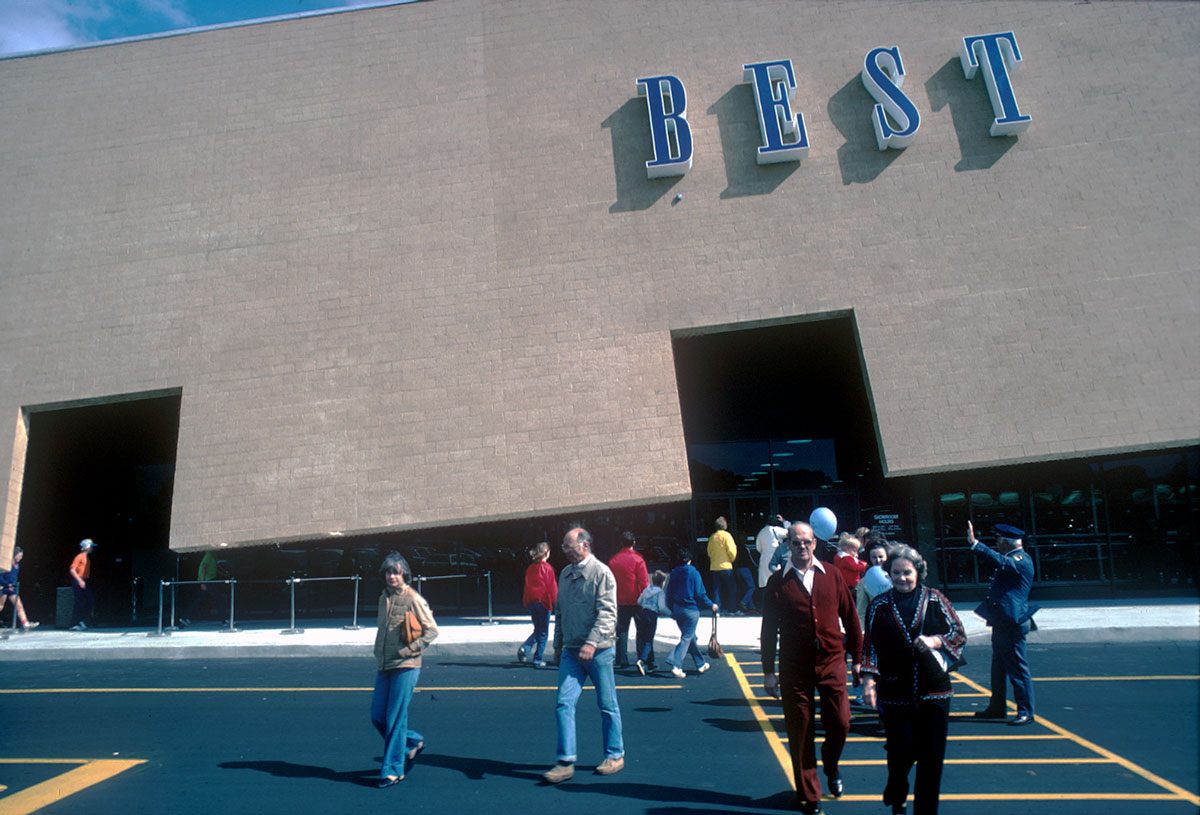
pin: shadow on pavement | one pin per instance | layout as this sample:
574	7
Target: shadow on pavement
477	769
285	769
721	801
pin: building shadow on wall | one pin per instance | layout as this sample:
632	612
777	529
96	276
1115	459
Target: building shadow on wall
859	158
737	122
972	115
629	131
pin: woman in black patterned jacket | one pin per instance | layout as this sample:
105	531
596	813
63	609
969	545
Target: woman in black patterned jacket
912	636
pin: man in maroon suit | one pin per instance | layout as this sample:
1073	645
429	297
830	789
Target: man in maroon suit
802	604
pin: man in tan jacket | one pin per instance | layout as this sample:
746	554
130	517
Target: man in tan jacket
583	639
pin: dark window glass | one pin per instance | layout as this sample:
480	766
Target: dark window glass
954	513
803	464
1069	559
730	467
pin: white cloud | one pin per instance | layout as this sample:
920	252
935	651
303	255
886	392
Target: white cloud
32	25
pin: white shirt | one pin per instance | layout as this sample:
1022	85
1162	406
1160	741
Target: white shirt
806	576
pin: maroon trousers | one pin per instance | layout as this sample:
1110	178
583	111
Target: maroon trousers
799	691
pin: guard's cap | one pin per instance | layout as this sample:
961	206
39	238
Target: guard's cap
87	543
1008	531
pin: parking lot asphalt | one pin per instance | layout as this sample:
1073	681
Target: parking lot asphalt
1117	732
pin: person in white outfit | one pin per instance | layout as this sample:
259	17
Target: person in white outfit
768	540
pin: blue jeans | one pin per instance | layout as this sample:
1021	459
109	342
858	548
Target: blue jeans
688	619
541	630
389	714
572	671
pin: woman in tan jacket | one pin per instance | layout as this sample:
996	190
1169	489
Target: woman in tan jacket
406	627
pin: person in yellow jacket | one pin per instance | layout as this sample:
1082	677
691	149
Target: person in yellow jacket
722	551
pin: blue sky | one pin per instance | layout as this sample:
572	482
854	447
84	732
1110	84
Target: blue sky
32	25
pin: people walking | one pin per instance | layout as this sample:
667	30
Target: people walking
685	595
10	582
722	552
629	570
802	607
538	597
769	539
207	595
912	636
652	604
1007	610
405	629
583	639
81	577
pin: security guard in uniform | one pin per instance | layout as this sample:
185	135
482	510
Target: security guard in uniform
1007	610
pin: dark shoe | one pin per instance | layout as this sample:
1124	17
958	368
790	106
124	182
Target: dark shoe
1021	720
384	783
991	713
836	787
559	773
810	807
521	654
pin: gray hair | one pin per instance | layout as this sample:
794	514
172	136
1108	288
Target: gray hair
394	563
901	551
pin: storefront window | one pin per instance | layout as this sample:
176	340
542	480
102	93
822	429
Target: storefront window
730	467
1131	520
1069	560
803	464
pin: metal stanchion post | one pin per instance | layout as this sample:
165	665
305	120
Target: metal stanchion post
489	620
173	627
232	583
160	632
354	626
292	581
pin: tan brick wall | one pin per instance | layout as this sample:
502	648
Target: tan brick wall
407	270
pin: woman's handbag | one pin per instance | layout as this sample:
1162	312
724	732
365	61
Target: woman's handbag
714	647
939	661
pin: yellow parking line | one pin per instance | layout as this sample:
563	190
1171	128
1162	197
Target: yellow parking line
1159	677
1032	796
880	739
52	790
882	762
773	739
1159	781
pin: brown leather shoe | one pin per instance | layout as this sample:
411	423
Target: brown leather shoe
611	766
559	773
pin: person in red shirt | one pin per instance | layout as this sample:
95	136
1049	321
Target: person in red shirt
540	595
629	569
847	561
81	576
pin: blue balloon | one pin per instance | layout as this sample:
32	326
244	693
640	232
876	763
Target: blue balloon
823	522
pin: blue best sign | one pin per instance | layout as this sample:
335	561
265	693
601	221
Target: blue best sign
895	118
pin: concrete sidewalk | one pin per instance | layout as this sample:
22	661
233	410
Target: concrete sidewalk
1058	622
